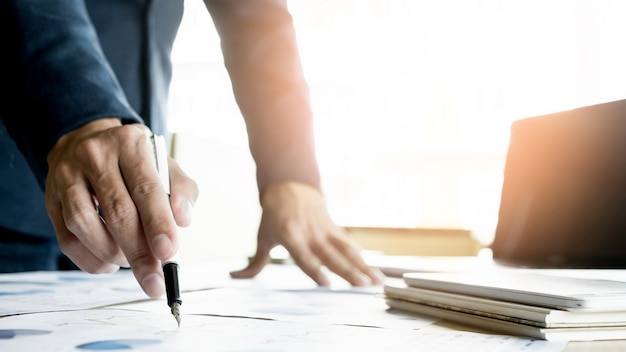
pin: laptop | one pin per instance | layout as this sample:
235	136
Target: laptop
563	200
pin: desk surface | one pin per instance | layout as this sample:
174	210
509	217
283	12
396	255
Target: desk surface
280	310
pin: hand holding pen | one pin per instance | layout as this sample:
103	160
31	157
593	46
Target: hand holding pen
114	165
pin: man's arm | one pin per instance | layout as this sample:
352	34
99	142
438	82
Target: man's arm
261	55
64	107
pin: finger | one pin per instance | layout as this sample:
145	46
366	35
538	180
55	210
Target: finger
310	265
119	209
184	193
336	261
256	264
80	255
308	262
149	196
74	211
82	219
350	250
71	246
145	267
127	231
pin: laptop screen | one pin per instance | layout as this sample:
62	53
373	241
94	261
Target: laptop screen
563	201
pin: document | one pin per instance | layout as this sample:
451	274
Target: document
116	329
279	310
528	303
582	333
528	288
34	292
514	312
355	307
45	291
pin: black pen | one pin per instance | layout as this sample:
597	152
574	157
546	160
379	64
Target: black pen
172	290
170	266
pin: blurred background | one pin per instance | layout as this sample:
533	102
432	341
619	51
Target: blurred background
413	101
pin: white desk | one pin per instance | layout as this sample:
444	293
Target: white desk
281	310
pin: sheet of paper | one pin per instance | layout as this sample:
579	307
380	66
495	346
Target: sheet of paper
356	307
33	292
114	329
46	291
396	265
528	287
595	274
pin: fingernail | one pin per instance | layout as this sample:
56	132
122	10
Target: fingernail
153	285
163	247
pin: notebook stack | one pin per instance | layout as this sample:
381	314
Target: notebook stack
540	306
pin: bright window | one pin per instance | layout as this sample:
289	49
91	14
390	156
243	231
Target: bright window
413	99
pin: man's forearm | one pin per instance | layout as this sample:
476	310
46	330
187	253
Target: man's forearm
262	58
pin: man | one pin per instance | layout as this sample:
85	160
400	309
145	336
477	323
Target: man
80	80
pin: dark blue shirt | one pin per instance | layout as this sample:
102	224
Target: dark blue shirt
66	63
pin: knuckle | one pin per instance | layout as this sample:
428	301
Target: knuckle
88	152
291	227
120	213
145	187
113	254
139	258
62	174
317	246
77	222
288	234
130	136
342	244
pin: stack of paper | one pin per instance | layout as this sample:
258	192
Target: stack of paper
537	305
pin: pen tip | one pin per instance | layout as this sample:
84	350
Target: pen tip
176	312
